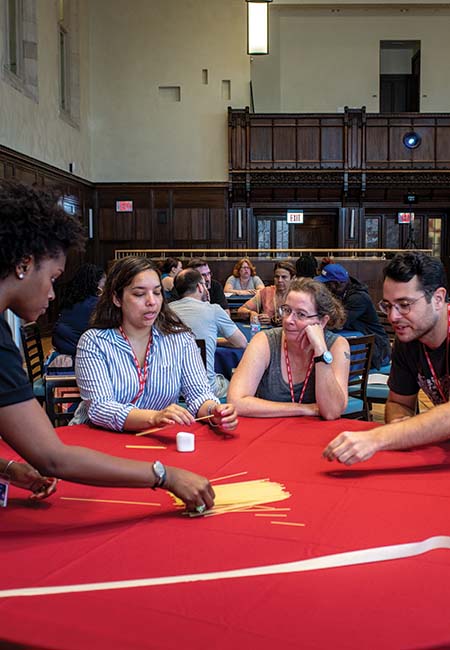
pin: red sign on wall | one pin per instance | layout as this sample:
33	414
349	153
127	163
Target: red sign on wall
124	206
405	217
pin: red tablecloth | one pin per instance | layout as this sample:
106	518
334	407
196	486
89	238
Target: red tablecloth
393	499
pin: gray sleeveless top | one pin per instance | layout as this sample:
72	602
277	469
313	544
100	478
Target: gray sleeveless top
272	385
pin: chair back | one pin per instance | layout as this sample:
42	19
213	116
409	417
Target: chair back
62	396
33	353
201	344
361	348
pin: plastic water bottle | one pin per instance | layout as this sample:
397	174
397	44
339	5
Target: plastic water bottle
255	325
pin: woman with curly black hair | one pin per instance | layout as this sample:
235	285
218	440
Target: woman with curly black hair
78	301
35	236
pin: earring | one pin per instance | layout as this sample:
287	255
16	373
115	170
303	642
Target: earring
21	276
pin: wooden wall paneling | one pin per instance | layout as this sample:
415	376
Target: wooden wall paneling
182	226
377	142
261	144
200	230
284	144
219	226
332	144
424	156
144	229
308	144
318	230
25	175
117	226
399	155
443	144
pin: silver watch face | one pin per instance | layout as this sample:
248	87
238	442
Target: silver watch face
327	357
159	470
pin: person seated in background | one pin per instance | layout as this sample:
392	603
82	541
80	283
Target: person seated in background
306	266
36	236
361	313
415	301
170	268
266	303
215	290
243	280
323	263
207	322
139	357
300	368
78	301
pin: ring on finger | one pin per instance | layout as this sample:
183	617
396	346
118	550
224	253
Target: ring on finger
200	509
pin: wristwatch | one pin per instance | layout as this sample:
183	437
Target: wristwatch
160	473
326	357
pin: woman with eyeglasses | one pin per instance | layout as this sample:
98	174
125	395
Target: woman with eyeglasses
300	368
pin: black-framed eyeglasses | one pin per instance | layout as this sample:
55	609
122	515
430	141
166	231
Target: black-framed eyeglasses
403	307
286	311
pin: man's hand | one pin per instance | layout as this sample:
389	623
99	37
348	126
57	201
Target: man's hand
351	447
196	491
224	417
24	476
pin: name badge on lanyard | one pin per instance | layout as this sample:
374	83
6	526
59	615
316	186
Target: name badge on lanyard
4	485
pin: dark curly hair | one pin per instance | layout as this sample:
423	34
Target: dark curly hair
121	274
326	303
33	225
83	284
430	271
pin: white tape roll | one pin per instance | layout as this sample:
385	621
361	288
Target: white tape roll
185	441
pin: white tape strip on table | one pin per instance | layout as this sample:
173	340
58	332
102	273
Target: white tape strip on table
349	558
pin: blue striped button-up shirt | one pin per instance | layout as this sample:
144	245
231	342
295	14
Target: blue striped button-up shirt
109	382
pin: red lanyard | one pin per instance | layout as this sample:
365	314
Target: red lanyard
142	376
430	365
289	374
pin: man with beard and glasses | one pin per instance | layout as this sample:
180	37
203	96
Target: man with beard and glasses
415	301
207	321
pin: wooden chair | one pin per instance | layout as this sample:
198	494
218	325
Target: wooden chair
62	396
201	344
361	348
33	353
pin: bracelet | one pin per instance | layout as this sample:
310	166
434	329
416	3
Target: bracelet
7	466
210	410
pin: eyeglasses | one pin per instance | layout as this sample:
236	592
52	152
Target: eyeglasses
403	307
286	311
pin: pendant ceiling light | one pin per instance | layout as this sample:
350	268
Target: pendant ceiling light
258	26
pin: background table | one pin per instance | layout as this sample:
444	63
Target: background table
395	498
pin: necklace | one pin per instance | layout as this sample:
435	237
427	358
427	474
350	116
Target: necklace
142	373
289	374
430	365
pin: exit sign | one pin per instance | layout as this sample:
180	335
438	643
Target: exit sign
295	216
124	206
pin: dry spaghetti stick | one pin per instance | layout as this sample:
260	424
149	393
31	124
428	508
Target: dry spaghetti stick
272	514
128	503
222	478
155	429
145	447
287	523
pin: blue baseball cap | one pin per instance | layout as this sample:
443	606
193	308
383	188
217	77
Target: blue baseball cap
333	273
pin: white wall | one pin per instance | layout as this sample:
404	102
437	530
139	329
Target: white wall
136	47
36	129
329	60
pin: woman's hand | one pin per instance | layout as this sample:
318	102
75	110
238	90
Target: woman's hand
314	334
264	319
24	476
194	490
224	417
172	414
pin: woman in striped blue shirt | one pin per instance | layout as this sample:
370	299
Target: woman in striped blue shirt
132	367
